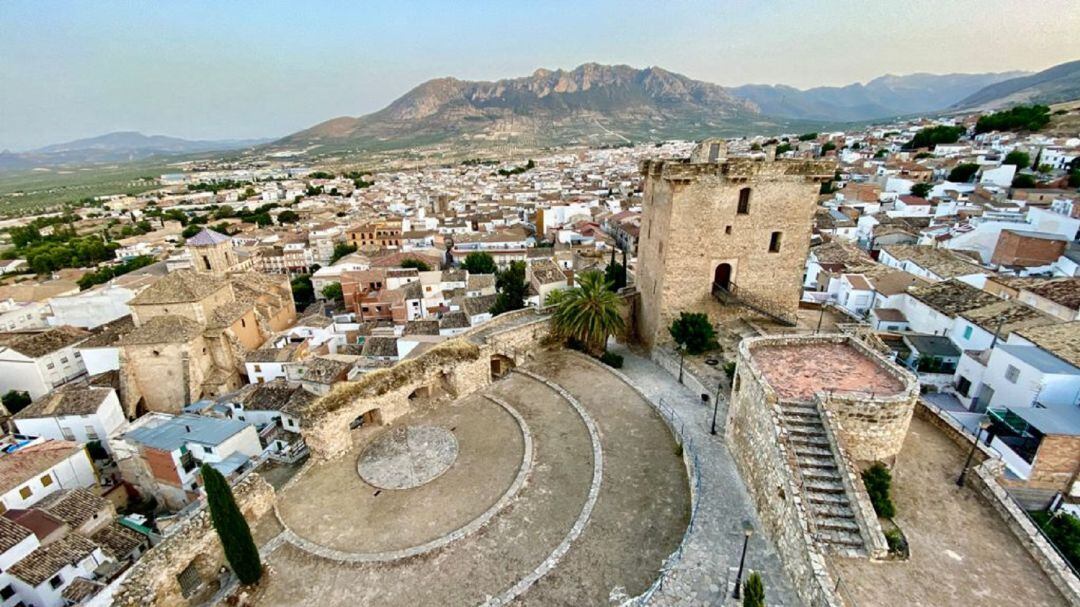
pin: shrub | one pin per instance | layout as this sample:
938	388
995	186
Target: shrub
694	331
612	359
1021	117
729	370
896	541
753	591
962	173
878	480
1064	531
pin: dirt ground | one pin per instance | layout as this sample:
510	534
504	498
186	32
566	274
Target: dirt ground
961	551
365	519
638	519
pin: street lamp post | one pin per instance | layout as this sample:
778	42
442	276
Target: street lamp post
983	425
715	406
748	531
682	355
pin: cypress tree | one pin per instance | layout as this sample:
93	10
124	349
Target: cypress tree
232	527
753	591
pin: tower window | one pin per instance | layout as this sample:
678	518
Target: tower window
206	262
774	242
744	201
714	152
727	230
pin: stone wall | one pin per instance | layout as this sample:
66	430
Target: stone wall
754	433
691	226
871	426
457	367
152	580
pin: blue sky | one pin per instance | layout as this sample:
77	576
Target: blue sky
236	69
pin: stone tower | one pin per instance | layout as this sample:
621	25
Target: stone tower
717	230
211	252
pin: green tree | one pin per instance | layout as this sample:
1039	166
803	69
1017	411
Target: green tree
231	527
1017	157
419	264
615	272
828	146
588	313
191	230
878	480
1074	179
15	401
783	148
333	291
342	249
288	217
881	153
933	135
510	283
1063	530
1019	118
302	290
1023	180
807	136
693	331
753	591
479	262
962	173
921	189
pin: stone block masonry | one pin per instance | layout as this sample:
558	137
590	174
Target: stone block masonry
153	581
740	223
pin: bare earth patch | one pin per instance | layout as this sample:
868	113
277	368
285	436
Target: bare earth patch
961	551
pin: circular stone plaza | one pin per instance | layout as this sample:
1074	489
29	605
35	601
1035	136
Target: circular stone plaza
556	485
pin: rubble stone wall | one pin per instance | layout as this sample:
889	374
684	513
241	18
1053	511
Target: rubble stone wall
754	434
152	581
457	367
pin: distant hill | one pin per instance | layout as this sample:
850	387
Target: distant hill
882	97
121	146
1058	84
590	104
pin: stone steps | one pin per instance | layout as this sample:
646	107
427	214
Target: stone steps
825	498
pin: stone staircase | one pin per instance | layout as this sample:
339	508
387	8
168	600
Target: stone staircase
826	500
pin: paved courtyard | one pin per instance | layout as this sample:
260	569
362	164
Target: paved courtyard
961	551
605	501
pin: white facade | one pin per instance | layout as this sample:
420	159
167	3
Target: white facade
9	558
38	376
106	421
73	472
48	593
15	316
91	308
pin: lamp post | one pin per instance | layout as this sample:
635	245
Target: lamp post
715	406
682	355
747	532
983	425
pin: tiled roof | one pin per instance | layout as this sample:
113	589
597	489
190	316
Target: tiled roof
117	540
324	370
163	329
46	561
380	346
1062	291
1060	339
943	262
68	400
80	590
181	286
36	344
952	297
275	395
11	533
207	238
73	506
1009	315
29	462
478	305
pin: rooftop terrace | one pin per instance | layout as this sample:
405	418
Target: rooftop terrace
797	371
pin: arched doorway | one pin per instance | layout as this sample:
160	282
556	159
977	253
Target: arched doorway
722	277
367	419
500	366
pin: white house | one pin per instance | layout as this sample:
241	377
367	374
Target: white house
41	467
21	316
38	362
41	577
75	413
16	542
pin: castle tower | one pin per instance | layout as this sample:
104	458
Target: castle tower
211	252
720	231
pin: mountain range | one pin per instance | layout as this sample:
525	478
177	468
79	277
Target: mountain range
596	104
607	104
121	146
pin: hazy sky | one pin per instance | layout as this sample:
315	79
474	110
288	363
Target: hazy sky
236	69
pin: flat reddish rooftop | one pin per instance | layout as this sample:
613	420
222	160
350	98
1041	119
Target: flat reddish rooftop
796	372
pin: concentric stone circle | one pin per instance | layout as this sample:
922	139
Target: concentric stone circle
408	457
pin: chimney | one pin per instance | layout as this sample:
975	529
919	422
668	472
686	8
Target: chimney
770	152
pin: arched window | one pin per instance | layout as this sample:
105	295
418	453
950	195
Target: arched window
744	201
774	242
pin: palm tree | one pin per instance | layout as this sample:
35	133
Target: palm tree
588	312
